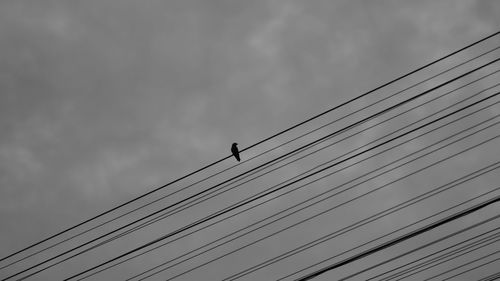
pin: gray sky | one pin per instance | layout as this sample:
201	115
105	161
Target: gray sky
103	100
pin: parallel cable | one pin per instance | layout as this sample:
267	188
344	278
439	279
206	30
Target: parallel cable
251	146
271	149
316	215
323	193
419	259
337	233
450	256
357	224
328	175
403	228
211	194
235	206
402	238
244	202
415	261
465	264
334	133
435	120
491	277
163	216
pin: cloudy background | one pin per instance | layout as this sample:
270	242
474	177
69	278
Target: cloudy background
103	100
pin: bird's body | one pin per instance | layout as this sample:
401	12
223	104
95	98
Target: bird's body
235	151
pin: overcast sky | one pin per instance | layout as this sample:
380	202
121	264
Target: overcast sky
103	100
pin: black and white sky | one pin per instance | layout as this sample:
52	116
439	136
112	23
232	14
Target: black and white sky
103	100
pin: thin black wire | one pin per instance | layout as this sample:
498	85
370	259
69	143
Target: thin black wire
253	199
401	228
329	236
305	219
163	216
386	165
262	168
202	199
251	146
408	132
235	206
465	264
335	133
335	121
319	194
491	277
357	224
449	256
401	238
341	118
417	260
434	260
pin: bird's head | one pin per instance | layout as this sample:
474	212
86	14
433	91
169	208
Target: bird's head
235	144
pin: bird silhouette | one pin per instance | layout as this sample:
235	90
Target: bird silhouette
235	151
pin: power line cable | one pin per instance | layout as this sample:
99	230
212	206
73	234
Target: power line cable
351	227
294	224
235	206
451	256
241	178
344	183
419	259
401	239
334	133
329	236
465	264
210	195
491	277
366	145
398	230
322	177
405	271
251	146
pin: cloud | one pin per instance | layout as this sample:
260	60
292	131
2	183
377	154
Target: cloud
105	99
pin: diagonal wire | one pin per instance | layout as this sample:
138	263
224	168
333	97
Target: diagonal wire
251	146
430	261
447	257
491	277
344	183
201	199
267	193
415	261
237	205
405	227
402	238
323	212
334	133
323	238
437	119
465	264
325	192
316	195
170	213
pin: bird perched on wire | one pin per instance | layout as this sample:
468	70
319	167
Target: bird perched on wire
235	151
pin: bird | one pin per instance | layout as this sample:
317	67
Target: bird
235	151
